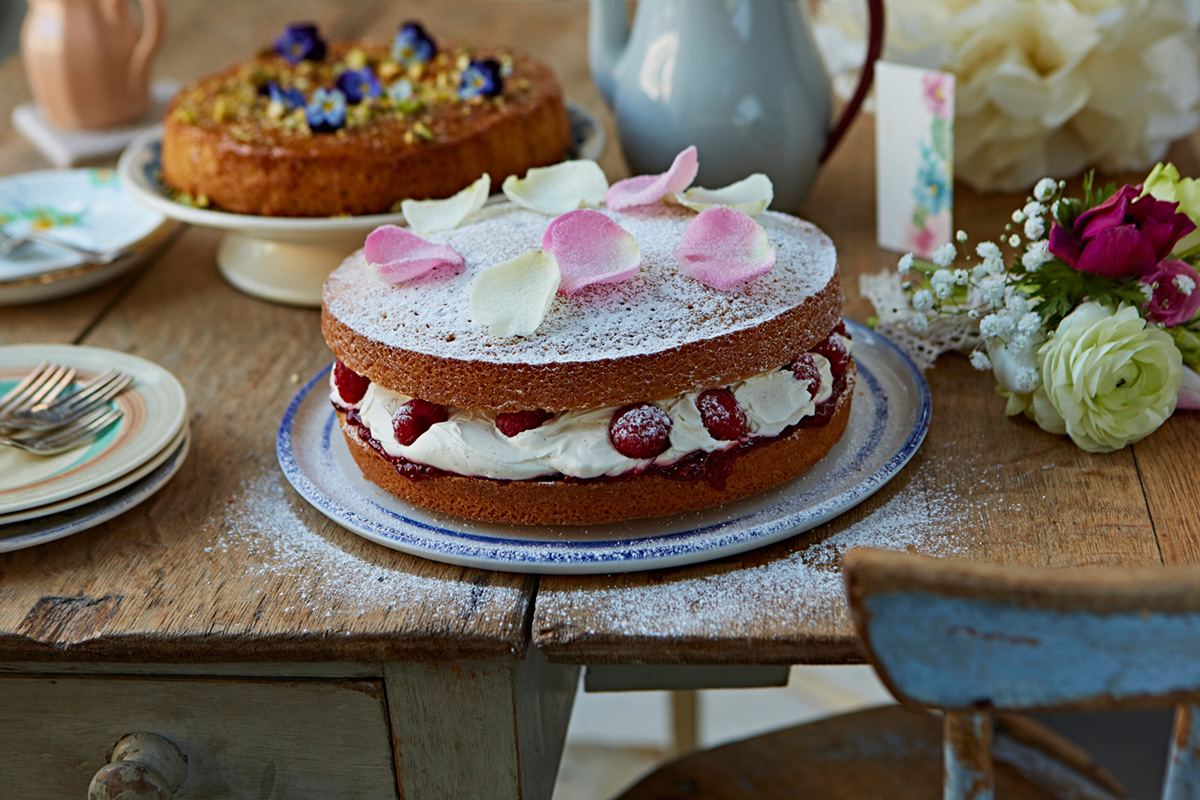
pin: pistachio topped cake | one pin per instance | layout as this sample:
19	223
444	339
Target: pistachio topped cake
315	129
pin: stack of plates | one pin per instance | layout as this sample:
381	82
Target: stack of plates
85	207
43	498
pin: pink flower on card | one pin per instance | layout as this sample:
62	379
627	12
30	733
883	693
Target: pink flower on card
930	236
937	94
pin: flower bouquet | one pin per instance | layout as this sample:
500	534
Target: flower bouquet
1090	320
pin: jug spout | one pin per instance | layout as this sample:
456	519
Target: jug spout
608	34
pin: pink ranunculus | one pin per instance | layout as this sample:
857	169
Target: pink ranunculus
1176	297
1123	237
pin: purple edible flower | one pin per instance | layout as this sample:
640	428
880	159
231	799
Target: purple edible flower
301	42
480	78
412	45
327	111
1123	237
290	99
358	84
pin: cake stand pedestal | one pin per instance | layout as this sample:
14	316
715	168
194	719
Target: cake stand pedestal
287	272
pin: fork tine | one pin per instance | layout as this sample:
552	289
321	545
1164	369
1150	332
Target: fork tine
54	387
26	386
97	400
85	393
80	429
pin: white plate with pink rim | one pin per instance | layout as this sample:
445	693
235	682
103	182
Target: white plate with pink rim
286	259
888	421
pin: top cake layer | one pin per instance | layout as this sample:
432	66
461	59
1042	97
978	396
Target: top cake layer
656	335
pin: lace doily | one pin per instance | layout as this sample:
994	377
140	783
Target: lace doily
945	334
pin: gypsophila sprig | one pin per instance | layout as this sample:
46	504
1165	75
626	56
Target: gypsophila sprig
1115	265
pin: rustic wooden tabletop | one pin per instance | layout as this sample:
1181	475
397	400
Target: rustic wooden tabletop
227	563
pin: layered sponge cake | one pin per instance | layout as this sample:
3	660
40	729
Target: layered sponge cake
637	398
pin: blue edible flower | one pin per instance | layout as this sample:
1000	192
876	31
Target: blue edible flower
301	42
480	78
327	111
358	84
412	45
291	99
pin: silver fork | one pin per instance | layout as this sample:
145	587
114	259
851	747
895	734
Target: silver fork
42	385
67	437
45	415
10	242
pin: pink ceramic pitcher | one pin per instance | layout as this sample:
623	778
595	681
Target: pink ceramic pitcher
87	64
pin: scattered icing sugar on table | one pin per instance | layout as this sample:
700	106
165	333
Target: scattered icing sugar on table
804	587
308	569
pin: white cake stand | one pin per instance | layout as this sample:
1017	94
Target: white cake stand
285	259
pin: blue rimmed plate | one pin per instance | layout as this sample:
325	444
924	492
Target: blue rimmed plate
888	422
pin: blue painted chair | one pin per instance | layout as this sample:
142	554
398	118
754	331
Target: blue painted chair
980	644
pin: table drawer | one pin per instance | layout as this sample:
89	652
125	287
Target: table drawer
261	739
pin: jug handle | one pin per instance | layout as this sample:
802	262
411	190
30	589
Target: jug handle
147	43
866	78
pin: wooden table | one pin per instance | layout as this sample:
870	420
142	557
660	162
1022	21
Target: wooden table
282	651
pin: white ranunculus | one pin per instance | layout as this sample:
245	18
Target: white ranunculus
1049	87
1110	378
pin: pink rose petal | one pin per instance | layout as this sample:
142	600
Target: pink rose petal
647	189
724	247
399	255
590	248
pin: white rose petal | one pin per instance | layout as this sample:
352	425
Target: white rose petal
431	216
558	189
751	195
511	299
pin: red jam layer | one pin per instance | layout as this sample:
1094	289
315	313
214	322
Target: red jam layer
713	467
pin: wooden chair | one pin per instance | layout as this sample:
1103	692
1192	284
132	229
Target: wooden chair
972	641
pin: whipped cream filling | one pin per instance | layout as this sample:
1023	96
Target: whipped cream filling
576	443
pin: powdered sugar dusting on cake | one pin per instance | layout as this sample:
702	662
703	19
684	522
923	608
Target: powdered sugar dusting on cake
656	310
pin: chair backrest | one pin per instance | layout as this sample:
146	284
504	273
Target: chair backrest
968	639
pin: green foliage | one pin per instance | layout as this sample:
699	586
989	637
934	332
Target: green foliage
1093	197
1187	339
1059	289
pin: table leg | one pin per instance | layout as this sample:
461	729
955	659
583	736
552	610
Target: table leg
479	728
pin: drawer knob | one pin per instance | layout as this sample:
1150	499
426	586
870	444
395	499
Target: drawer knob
143	766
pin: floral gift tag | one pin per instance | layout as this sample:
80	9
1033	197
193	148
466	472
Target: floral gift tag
914	158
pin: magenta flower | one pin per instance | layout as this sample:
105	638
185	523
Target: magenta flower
1123	237
1176	297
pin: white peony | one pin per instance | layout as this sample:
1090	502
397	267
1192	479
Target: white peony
1048	87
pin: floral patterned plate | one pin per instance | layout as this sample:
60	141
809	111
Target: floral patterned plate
87	207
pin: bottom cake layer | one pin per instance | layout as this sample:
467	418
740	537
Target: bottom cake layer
590	501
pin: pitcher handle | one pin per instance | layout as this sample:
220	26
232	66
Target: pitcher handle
153	18
874	49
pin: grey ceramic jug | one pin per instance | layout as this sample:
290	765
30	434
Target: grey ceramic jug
740	79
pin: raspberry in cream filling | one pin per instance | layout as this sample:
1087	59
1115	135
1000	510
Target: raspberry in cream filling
668	437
